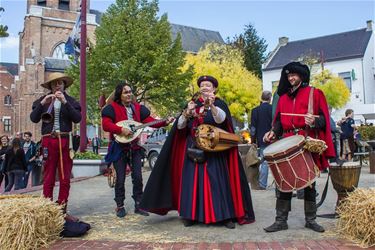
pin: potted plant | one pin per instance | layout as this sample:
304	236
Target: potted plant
367	133
87	164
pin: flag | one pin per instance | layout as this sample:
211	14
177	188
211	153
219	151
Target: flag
72	45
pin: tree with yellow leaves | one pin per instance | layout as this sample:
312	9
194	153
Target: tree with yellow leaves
333	87
238	87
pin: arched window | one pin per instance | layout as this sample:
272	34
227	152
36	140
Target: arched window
59	52
8	100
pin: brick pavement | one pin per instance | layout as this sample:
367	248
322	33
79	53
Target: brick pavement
274	245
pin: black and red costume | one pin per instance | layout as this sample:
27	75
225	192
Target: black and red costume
209	192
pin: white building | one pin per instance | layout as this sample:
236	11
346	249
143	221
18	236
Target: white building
349	55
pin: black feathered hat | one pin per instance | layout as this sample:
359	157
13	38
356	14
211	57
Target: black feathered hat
211	79
294	67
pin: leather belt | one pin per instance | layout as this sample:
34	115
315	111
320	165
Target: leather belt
55	134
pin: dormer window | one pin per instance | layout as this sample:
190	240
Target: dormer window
64	4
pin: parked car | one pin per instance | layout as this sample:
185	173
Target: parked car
154	144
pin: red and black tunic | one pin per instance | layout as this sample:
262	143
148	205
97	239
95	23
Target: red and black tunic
297	103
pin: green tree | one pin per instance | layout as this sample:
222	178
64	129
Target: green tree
333	87
253	47
3	28
135	45
237	86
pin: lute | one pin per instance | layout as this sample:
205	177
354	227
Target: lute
135	127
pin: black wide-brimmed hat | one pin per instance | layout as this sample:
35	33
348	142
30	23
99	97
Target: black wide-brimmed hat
211	79
292	68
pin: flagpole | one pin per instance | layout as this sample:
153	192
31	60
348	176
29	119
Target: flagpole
82	129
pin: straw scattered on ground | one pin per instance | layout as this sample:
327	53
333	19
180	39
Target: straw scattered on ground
132	229
29	222
357	217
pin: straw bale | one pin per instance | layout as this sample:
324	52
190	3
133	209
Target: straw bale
357	217
28	222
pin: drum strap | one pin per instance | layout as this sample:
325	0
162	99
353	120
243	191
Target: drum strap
310	110
324	194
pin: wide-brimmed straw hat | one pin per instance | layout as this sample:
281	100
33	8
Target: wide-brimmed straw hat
57	76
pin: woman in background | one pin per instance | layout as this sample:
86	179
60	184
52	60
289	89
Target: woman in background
15	165
4	145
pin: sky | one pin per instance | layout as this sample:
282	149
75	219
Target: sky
272	19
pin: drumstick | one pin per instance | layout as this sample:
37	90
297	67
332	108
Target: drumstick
291	114
61	159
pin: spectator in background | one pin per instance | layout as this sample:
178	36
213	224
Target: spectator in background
334	131
95	142
347	136
37	178
15	165
29	147
4	146
261	123
19	135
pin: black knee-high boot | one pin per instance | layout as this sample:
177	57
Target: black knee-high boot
310	216
282	211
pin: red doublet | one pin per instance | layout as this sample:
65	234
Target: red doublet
299	105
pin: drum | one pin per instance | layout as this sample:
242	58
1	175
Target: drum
344	178
291	165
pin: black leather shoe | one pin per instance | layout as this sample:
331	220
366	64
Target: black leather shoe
141	212
315	227
229	224
120	212
277	226
188	223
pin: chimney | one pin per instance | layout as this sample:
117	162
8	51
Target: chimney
369	25
283	40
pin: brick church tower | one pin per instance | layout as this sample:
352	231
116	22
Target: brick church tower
47	26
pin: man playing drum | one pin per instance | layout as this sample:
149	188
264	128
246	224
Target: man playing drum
292	117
